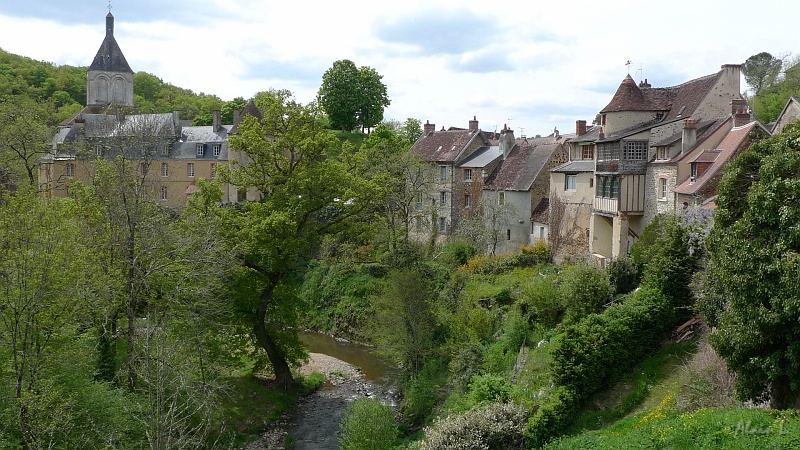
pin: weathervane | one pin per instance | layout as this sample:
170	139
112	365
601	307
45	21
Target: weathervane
628	63
109	5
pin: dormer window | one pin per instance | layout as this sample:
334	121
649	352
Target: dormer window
200	149
694	171
165	149
217	149
662	153
587	151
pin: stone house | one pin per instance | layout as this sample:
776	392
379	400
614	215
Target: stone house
517	194
638	126
789	114
459	160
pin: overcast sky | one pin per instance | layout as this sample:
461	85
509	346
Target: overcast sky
532	64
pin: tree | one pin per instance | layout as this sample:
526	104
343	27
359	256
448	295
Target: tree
352	96
26	132
755	266
306	193
761	70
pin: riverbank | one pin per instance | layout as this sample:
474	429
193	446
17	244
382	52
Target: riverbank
313	423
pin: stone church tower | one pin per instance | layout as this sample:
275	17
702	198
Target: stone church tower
110	78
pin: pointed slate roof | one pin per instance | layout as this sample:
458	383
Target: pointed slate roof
109	57
250	109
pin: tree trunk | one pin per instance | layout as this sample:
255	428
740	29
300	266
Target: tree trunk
283	375
781	395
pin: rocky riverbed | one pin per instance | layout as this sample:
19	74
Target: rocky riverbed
313	423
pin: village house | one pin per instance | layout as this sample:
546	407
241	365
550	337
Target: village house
517	193
789	114
171	156
637	118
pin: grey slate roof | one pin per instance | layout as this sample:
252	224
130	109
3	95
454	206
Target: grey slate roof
482	157
109	57
576	166
521	168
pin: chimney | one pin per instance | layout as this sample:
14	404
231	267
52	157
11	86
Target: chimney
473	124
689	135
428	128
506	141
741	117
236	114
644	84
580	127
216	122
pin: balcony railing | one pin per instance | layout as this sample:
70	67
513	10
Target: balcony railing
606	204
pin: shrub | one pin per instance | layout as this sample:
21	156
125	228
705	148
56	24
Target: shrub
498	426
540	250
706	381
541	297
465	364
489	388
457	253
552	417
584	290
623	274
367	425
420	393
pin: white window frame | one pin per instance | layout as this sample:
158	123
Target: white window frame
164	193
70	170
662	188
217	149
98	150
467	201
190	170
442	173
164	169
467	174
200	149
443	198
662	153
165	149
570	182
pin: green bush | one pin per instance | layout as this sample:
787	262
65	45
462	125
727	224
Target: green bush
553	417
457	253
489	388
623	274
420	393
367	425
498	426
584	290
541	298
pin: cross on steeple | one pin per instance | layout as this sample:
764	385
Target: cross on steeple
109	5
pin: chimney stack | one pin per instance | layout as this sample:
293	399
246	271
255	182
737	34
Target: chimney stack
473	124
506	141
428	128
740	112
236	114
216	123
580	127
689	137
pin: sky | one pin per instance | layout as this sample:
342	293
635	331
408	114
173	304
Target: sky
532	65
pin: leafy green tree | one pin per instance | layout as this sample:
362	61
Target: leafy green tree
306	193
584	290
352	96
761	70
754	249
26	132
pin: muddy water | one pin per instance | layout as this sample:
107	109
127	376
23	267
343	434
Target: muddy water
314	422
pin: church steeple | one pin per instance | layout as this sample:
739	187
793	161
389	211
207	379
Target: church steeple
110	78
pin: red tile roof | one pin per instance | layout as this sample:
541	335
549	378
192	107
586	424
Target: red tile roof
522	166
446	146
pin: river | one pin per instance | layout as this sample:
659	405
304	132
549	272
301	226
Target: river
313	423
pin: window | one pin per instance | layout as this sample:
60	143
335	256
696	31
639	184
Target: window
164	169
570	181
70	168
467	174
501	198
98	150
143	169
442	173
607	187
608	151
587	151
241	195
508	234
213	170
190	169
419	203
694	171
662	153
443	198
662	188
442	225
163	192
199	149
467	200
165	149
635	150
217	149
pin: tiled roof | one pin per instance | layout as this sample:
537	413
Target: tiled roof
591	135
109	57
729	145
704	127
703	138
632	130
445	146
521	168
680	100
706	156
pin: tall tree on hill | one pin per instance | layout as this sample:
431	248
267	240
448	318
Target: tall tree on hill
755	268
761	70
306	194
352	96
